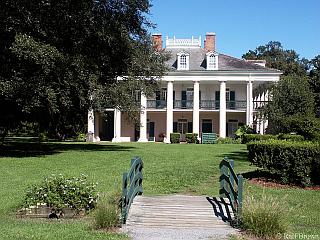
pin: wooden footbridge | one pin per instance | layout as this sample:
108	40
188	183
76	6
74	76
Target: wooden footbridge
180	216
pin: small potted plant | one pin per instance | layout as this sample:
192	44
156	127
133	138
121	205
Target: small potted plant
162	136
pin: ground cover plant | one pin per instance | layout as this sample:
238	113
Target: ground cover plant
168	169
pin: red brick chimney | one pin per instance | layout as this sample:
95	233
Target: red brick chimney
210	42
157	41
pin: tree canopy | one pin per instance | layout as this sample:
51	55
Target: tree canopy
59	58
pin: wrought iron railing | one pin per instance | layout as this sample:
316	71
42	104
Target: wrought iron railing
156	104
183	104
208	104
236	104
231	185
131	186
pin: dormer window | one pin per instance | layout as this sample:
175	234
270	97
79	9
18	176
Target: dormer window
212	61
183	61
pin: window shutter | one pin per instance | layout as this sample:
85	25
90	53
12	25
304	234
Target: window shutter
217	98
174	95
183	95
200	96
232	95
190	126
175	127
158	95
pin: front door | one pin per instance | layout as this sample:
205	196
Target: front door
232	127
207	126
182	129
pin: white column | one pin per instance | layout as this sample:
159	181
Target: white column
117	126
143	119
96	127
196	106
249	116
169	111
90	126
222	111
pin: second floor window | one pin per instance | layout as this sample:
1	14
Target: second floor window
212	61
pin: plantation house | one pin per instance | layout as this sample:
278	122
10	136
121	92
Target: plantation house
204	91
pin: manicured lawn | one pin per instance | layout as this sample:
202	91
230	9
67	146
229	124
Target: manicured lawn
191	169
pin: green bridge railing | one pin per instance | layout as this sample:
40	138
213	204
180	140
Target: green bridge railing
231	185
131	186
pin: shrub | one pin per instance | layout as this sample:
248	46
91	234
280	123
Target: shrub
245	129
81	137
58	191
43	137
257	137
265	217
293	162
192	137
175	137
228	140
291	137
107	214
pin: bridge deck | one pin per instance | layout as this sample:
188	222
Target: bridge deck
179	217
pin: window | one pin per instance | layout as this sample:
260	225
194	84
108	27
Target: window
212	61
183	61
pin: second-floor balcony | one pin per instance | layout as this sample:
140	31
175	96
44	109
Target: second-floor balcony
204	104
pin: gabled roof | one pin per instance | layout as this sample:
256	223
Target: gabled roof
197	61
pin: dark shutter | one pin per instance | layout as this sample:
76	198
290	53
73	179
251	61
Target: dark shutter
232	95
175	126
190	126
217	98
174	95
200	96
158	95
183	95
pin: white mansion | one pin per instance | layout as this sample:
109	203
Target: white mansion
204	91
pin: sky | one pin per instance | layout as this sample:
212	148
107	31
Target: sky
242	25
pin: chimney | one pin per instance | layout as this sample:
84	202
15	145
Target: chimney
157	41
210	42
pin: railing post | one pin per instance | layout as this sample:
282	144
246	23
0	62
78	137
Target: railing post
124	197
231	181
240	190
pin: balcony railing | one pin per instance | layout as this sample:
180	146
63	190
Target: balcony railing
183	104
209	104
236	104
157	104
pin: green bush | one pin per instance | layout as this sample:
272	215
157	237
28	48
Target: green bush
58	191
264	217
257	137
293	162
307	127
43	137
107	213
228	140
192	137
175	137
81	137
291	137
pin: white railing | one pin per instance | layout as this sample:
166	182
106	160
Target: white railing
174	42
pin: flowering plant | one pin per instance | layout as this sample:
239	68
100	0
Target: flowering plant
58	191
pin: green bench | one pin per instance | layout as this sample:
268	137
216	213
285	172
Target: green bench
208	138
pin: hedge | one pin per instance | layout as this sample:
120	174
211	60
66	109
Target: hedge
291	137
175	137
246	138
192	137
293	162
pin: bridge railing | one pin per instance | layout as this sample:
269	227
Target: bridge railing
231	185
131	186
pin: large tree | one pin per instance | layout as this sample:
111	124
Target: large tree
314	82
277	57
59	58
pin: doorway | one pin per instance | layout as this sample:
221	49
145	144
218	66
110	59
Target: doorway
182	128
232	126
207	125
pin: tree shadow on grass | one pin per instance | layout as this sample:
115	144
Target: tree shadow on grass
238	156
19	149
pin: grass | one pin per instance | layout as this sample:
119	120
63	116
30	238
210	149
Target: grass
174	168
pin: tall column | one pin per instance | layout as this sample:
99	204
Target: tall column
117	126
196	106
249	116
222	111
169	111
143	119
90	136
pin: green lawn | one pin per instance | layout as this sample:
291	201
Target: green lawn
191	169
